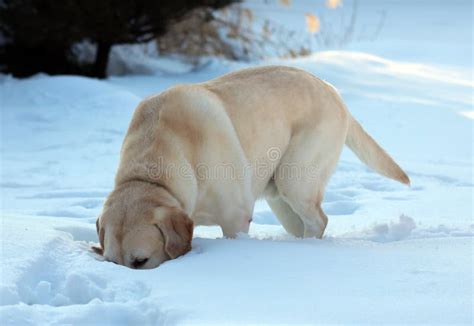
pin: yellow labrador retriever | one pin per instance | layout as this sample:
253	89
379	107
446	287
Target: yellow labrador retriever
203	154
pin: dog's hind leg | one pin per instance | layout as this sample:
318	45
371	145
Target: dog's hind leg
290	221
302	176
287	217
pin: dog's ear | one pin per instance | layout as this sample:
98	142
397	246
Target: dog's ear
177	229
100	233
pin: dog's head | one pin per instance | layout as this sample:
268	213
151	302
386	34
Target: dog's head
137	228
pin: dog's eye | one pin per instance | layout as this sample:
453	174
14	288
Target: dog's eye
139	262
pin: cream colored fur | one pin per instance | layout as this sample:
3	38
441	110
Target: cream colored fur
258	125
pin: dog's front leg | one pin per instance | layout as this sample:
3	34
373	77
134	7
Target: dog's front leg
233	226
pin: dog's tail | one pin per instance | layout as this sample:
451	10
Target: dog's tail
374	156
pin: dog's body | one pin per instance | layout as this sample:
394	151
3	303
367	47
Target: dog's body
210	150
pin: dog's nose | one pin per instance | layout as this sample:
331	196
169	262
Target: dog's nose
138	262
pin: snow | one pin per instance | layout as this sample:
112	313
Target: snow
391	254
244	280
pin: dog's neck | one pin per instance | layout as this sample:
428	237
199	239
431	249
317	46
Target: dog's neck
166	196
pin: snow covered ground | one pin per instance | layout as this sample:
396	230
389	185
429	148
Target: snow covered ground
392	254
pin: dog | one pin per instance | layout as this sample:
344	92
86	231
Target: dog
202	154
